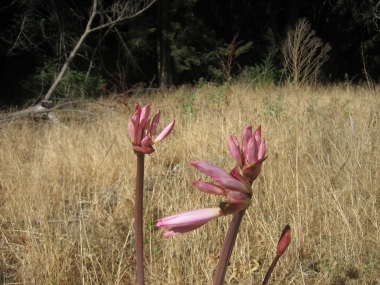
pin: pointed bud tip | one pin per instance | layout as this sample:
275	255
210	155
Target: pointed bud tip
284	240
165	132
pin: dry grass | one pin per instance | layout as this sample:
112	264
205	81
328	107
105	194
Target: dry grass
67	190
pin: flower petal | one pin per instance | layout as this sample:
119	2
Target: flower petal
180	230
165	132
247	134
137	130
235	173
188	221
232	183
146	142
132	130
257	132
234	147
137	107
262	150
209	188
146	130
237	196
252	151
210	169
155	121
145	112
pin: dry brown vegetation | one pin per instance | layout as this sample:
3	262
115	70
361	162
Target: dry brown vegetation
67	190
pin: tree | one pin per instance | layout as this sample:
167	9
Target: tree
177	41
100	18
164	60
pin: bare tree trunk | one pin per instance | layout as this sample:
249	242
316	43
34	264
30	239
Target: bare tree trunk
164	62
37	112
73	53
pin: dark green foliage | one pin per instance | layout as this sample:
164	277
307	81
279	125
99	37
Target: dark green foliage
197	41
228	55
74	84
371	56
262	74
193	45
266	72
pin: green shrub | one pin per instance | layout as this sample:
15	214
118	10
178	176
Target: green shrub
74	83
265	73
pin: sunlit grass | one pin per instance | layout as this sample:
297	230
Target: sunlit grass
67	190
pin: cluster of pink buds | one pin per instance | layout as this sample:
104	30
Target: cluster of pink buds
142	130
250	157
235	185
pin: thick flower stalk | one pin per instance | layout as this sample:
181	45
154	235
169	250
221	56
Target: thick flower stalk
142	130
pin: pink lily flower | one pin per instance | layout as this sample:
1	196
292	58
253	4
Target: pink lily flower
236	187
231	185
250	157
188	221
141	130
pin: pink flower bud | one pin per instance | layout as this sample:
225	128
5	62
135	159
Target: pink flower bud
141	131
188	221
209	187
284	241
165	132
236	153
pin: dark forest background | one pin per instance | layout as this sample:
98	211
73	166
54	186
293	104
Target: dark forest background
173	43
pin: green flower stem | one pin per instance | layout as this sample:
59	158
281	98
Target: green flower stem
228	245
139	218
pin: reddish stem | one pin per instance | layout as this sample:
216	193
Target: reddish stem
228	245
139	218
269	272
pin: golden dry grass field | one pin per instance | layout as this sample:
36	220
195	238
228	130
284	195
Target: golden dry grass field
67	190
